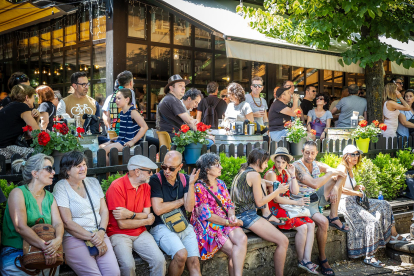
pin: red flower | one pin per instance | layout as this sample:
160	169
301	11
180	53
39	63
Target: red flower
64	129
177	134
313	131
80	130
27	128
363	123
57	126
383	127
185	128
375	122
43	138
298	112
288	124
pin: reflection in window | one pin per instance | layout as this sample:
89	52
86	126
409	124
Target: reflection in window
220	44
182	63
70	30
46	72
141	98
34	42
202	38
222	68
99	24
160	25
240	71
99	88
84	26
137	22
23	64
312	77
1	50
258	69
34	72
23	46
57	67
160	63
85	60
45	39
327	76
338	83
411	82
70	65
57	35
137	60
282	74
182	32
157	93
99	61
298	77
9	50
202	67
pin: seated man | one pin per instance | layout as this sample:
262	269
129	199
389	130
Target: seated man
129	202
323	191
171	191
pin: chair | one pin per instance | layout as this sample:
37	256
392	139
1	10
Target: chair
164	139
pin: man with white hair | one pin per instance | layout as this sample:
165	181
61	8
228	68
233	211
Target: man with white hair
129	203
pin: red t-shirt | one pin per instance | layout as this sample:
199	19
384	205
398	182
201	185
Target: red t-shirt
122	194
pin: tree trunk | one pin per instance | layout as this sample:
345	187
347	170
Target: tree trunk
374	80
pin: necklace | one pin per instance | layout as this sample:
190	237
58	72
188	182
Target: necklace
260	100
41	192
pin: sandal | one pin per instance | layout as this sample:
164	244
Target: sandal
394	239
377	264
274	223
312	270
342	229
325	270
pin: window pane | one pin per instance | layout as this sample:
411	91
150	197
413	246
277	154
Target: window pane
46	70
202	69
99	61
182	32
240	71
57	67
23	47
99	88
160	63
338	83
57	35
85	60
202	39
411	82
45	39
141	98
34	42
84	26
9	50
327	76
23	64
1	50
34	71
137	22
137	60
298	77
220	44
70	30
99	24
70	65
160	26
360	82
157	94
312	76
182	63
222	67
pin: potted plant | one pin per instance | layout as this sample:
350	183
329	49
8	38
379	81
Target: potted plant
190	142
57	142
296	134
365	133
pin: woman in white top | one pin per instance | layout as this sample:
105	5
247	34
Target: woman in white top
238	108
391	109
75	194
369	229
404	125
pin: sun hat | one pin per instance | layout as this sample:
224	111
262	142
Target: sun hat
281	151
173	79
351	149
140	161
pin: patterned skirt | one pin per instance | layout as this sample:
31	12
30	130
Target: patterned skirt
369	229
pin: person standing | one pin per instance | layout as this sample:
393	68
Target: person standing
344	94
307	102
348	105
405	126
257	103
211	108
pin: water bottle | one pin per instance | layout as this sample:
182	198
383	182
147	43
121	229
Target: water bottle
380	196
94	150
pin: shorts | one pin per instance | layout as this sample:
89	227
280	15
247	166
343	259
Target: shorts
314	206
248	217
171	242
278	135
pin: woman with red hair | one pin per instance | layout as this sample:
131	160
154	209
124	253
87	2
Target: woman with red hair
46	107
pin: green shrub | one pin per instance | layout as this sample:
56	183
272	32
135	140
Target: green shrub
406	158
107	182
231	166
6	188
391	176
331	159
367	176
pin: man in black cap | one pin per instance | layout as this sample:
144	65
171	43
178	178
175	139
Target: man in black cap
171	111
280	113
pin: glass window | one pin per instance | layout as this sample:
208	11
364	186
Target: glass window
160	63
1	49
70	30
70	65
141	98
312	77
160	25
57	35
99	24
182	32
411	82
99	88
137	22
46	70
99	61
298	77
222	69
202	67
202	38
157	94
57	67
338	83
23	46
45	39
137	60
240	71
84	26
220	43
182	63
9	50
34	71
23	64
85	60
34	42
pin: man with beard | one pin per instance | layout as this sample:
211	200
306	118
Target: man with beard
323	191
129	203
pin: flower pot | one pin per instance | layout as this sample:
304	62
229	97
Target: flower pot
363	144
192	152
296	148
57	156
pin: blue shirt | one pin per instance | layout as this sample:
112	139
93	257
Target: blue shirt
402	130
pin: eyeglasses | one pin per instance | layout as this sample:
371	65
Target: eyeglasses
49	169
217	165
257	85
355	154
84	85
320	98
145	170
399	82
165	167
223	96
314	91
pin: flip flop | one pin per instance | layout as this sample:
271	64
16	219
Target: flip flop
375	264
394	239
274	223
303	265
325	270
342	229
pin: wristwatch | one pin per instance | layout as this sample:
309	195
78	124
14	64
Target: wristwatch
133	216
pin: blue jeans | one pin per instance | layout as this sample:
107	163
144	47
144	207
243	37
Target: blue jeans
277	135
248	217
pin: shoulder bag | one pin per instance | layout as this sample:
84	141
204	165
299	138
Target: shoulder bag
363	202
215	198
93	250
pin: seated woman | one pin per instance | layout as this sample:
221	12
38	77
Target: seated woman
238	108
247	194
369	229
26	204
217	229
304	226
17	114
15	79
46	108
85	215
319	119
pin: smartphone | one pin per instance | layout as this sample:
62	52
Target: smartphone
276	185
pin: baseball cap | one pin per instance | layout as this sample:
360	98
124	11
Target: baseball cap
351	149
280	91
140	161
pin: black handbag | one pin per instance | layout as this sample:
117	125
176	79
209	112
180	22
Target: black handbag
363	202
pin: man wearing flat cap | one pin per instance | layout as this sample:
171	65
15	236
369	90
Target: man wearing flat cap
172	112
280	113
129	203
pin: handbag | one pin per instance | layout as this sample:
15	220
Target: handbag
363	202
33	260
93	250
295	211
318	126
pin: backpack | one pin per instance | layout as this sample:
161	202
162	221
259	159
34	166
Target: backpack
210	116
182	178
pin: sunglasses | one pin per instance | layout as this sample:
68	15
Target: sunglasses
313	91
320	98
49	169
223	96
354	154
257	85
399	82
165	167
145	170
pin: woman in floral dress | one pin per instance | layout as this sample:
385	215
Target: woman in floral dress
284	173
217	229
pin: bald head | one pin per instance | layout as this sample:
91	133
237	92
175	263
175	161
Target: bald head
173	157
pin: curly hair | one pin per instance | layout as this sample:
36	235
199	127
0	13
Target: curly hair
237	90
204	163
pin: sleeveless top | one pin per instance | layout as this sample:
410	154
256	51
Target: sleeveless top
348	185
391	121
9	236
128	128
305	189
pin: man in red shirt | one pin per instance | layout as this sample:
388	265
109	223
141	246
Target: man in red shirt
129	203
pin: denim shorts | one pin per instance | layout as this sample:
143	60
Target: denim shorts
314	206
248	217
278	135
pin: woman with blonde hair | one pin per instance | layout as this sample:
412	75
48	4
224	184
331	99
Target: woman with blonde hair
392	109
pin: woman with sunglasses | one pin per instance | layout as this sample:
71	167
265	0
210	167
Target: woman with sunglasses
26	204
369	229
319	119
85	214
216	226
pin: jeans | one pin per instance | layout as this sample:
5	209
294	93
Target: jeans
277	135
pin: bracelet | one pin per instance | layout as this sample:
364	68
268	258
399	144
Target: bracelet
133	216
293	177
103	229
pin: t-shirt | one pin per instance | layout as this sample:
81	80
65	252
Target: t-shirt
306	106
277	120
333	104
167	192
80	207
211	101
11	122
168	110
271	101
5	101
347	106
257	104
75	106
239	111
326	116
402	130
122	194
51	110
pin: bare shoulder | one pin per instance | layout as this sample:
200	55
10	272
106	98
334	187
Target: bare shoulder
322	166
270	175
341	168
16	193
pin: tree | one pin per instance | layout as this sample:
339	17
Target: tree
358	23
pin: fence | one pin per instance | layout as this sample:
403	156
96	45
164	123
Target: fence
118	161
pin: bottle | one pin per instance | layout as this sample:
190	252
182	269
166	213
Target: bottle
380	196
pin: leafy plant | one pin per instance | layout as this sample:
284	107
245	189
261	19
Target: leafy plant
186	136
107	182
296	130
365	131
367	175
6	188
331	159
231	166
406	158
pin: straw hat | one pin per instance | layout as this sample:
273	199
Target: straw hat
281	151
